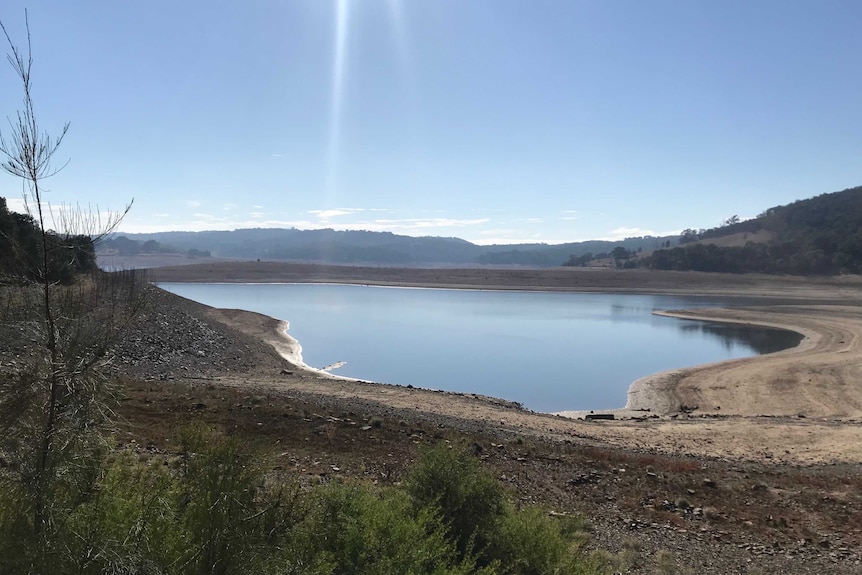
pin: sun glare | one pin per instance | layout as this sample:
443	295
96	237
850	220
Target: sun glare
339	64
339	79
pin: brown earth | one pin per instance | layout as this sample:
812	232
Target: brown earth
829	289
759	491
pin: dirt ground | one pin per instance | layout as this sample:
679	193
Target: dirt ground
811	290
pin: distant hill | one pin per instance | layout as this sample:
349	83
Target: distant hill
365	248
817	236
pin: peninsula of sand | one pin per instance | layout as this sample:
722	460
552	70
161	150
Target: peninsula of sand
801	405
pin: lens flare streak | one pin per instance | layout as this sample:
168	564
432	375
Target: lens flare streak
339	71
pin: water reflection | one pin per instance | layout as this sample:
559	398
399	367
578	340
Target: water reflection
761	340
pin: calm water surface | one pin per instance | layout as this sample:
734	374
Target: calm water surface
549	351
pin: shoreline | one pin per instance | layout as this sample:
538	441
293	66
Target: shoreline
655	393
701	389
818	289
672	391
814	379
658	402
658	389
801	406
273	332
756	436
775	438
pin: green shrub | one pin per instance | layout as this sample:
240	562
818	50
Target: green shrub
218	503
468	500
529	542
352	529
209	511
207	514
479	520
130	525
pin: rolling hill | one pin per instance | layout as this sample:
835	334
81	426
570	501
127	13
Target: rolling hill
817	236
363	248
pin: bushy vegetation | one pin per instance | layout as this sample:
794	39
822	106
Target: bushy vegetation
211	508
485	525
469	501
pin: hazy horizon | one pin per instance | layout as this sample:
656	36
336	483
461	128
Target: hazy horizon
407	235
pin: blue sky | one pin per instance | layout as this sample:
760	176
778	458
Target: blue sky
492	120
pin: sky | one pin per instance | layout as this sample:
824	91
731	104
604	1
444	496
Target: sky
496	121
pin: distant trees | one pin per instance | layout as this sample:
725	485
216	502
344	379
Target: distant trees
688	236
123	245
129	247
193	253
707	258
579	261
21	250
151	246
621	256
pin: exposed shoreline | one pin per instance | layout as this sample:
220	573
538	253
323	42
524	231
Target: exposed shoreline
800	405
656	393
648	394
761	436
664	393
699	387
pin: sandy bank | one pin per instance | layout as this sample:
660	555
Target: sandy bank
818	378
271	331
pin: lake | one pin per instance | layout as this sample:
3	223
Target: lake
549	351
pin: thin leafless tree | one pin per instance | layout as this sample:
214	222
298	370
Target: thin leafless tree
56	401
